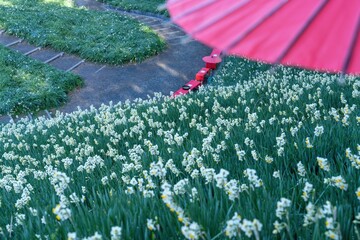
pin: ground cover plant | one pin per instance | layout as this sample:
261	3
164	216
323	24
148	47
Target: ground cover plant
93	35
148	6
29	86
273	155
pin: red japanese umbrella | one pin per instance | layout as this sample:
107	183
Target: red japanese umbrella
313	34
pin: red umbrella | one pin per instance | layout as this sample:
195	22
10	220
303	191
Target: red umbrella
314	34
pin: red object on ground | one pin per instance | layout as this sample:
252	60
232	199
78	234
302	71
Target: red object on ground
211	62
314	34
215	52
203	74
190	86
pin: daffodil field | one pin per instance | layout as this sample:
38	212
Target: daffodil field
274	154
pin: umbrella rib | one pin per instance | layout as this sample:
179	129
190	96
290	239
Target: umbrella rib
193	9
302	30
217	18
349	54
254	26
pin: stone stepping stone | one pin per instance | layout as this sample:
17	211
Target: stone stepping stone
87	69
155	24
7	39
180	41
24	48
173	34
150	21
67	62
161	27
44	54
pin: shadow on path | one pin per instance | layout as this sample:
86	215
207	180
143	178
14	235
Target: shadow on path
163	73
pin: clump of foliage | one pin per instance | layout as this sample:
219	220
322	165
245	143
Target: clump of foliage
149	6
29	86
102	37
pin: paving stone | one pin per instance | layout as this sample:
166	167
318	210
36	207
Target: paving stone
149	21
65	62
140	17
87	69
6	39
162	27
181	41
155	24
171	35
44	54
23	47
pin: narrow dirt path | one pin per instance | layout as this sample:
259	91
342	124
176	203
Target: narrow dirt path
163	73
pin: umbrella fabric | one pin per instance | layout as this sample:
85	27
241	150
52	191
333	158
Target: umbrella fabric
314	34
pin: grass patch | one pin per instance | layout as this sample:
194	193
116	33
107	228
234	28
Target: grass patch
232	69
274	155
149	6
29	86
102	37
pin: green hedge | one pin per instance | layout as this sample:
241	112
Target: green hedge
29	86
96	36
147	6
